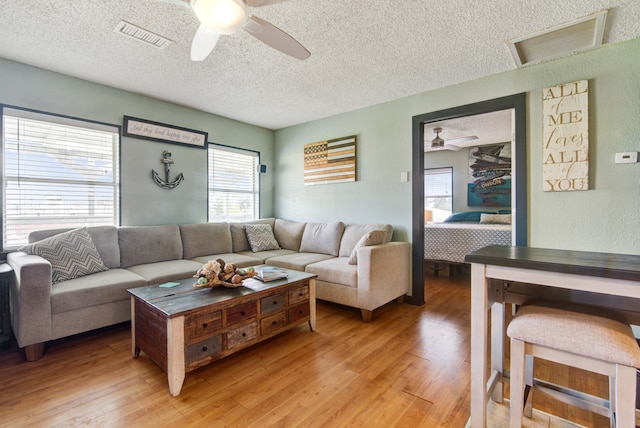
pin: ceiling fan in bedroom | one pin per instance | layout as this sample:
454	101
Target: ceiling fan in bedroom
224	17
439	143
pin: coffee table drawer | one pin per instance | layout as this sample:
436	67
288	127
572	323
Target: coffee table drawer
202	325
273	303
239	313
299	294
298	312
273	322
242	334
202	350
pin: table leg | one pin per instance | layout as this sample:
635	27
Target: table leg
479	333
135	350
312	304
175	354
497	349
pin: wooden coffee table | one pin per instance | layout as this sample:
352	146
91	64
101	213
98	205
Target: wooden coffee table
183	328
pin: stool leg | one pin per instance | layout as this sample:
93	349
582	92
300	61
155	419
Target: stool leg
516	383
528	384
612	402
625	396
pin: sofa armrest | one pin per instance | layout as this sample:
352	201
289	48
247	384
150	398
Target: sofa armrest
383	274
30	295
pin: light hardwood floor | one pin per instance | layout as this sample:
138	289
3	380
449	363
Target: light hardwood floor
409	367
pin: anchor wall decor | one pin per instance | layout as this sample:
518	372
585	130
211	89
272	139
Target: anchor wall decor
166	183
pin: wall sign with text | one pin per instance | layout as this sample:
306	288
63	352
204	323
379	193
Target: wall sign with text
161	132
565	159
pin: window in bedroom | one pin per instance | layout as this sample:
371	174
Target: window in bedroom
438	194
57	172
234	185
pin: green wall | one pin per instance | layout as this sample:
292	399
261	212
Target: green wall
604	218
143	202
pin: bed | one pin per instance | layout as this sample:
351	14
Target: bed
450	242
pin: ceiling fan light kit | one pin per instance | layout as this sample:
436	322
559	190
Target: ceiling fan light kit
221	16
225	17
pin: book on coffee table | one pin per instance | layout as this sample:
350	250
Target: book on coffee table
267	274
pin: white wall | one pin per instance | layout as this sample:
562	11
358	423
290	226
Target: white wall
143	202
605	218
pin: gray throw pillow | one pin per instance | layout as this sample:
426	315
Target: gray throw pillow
71	254
260	237
375	237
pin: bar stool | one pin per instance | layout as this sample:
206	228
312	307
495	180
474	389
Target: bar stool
580	337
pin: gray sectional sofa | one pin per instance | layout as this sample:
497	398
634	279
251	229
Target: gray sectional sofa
357	265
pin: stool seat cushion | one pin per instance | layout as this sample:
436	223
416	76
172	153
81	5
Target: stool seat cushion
590	335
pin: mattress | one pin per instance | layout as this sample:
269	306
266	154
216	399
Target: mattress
452	241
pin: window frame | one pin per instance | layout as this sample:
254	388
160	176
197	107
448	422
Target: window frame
436	171
65	121
257	178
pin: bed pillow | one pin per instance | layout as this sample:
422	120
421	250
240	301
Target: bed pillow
495	219
71	254
375	237
466	216
260	237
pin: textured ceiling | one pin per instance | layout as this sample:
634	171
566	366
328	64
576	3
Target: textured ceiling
362	52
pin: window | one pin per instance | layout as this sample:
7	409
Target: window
438	184
234	189
56	172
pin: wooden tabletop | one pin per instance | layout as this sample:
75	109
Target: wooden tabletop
605	265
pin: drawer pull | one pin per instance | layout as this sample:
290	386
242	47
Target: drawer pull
243	313
204	349
274	322
244	334
301	312
300	294
275	302
205	325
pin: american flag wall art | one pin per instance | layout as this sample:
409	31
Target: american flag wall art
331	161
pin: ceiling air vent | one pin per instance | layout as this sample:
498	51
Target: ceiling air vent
142	35
562	40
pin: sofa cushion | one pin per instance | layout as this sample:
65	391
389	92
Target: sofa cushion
240	260
354	232
105	238
289	233
92	290
265	255
72	255
375	237
336	270
205	239
323	238
149	244
171	270
296	261
260	237
239	241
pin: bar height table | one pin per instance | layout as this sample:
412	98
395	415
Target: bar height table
494	266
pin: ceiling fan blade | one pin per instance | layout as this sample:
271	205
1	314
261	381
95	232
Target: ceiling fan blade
272	36
462	139
452	147
257	3
203	43
176	2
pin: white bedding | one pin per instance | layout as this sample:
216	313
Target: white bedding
452	241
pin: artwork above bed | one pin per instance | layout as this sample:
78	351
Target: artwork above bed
489	176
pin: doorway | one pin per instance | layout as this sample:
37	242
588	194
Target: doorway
519	150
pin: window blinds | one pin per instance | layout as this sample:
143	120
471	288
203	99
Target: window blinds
57	173
233	184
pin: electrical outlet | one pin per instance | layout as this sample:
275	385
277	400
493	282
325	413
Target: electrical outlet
627	157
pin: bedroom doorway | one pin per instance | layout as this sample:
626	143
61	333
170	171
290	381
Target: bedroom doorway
431	122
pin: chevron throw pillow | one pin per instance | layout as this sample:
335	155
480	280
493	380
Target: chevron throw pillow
260	237
71	254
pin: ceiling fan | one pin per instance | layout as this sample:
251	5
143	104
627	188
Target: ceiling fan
224	17
439	143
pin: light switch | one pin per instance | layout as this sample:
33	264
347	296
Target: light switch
627	157
404	177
